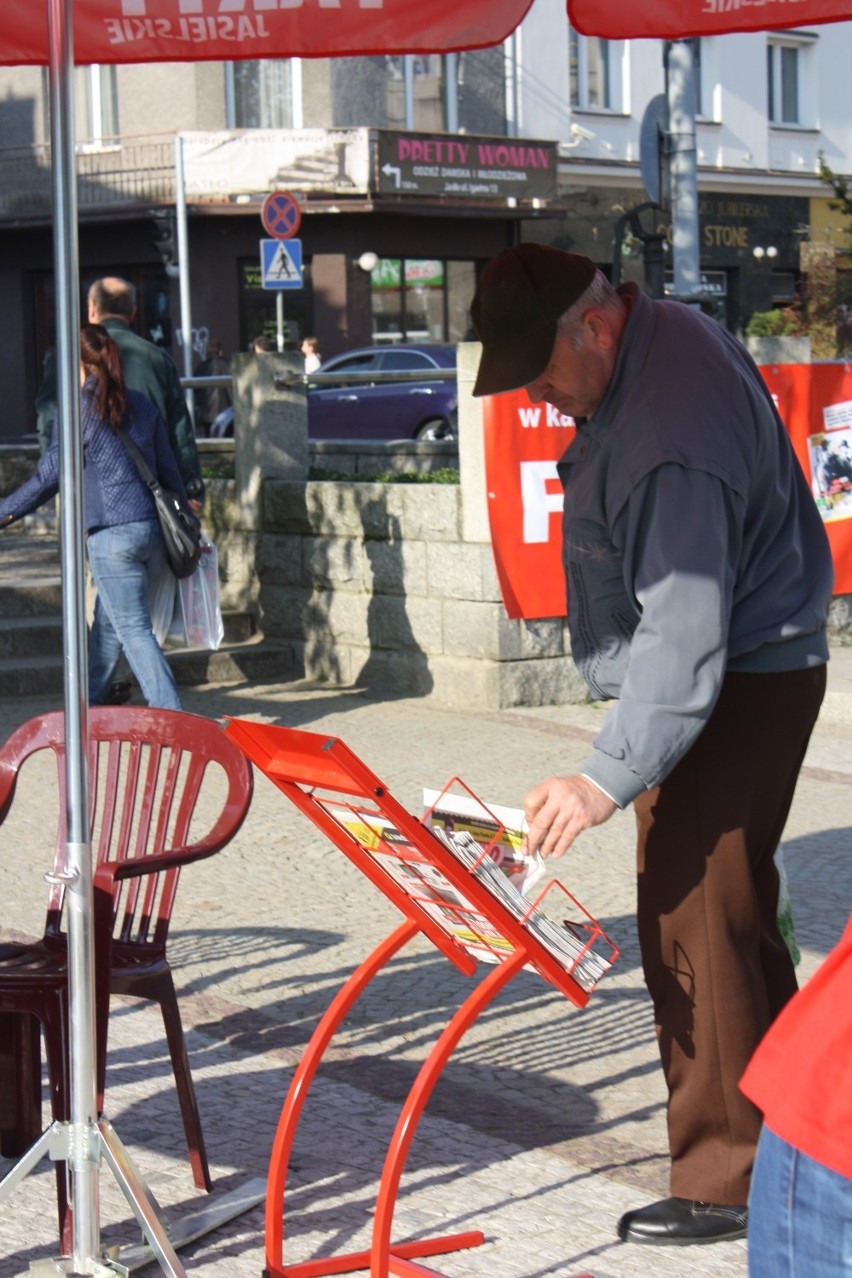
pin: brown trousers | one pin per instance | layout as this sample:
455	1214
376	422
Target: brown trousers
716	967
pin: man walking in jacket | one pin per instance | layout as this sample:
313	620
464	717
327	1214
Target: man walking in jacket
151	370
699	575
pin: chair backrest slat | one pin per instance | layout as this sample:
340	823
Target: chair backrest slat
147	770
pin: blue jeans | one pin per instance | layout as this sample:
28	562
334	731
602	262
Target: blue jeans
124	559
800	1215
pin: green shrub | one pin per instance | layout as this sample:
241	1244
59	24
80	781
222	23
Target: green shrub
779	322
444	475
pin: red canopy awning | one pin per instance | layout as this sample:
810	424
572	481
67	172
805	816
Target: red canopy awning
229	30
677	19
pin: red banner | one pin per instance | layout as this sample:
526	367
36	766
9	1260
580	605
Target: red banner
524	441
228	30
678	19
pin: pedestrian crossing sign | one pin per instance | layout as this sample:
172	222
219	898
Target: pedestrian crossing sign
281	263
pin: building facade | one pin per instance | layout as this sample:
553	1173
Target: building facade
410	173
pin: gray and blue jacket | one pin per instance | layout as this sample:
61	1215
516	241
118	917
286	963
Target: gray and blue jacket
692	544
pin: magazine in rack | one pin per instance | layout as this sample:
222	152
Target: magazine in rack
489	842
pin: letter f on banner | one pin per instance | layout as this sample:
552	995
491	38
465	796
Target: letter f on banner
524	493
538	502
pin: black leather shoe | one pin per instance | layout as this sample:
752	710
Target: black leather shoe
676	1222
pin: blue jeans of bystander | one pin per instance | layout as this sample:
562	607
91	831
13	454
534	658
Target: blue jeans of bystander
800	1215
124	560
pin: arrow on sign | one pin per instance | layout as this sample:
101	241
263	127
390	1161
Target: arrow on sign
388	169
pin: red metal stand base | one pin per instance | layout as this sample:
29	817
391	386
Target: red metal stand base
383	1257
447	897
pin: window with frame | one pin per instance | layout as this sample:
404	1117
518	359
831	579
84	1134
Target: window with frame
788	69
706	71
421	300
590	72
263	94
95	103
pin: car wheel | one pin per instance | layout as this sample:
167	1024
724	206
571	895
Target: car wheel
434	429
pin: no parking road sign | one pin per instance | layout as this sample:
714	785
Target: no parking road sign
281	263
281	215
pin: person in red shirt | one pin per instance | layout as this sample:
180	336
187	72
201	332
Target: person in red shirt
800	1203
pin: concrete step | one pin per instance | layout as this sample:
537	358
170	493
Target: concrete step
41	636
258	660
255	660
24	638
31	661
30	597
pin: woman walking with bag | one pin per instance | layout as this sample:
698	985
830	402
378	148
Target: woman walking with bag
124	543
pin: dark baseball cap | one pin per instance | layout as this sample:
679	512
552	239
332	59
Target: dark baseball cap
519	298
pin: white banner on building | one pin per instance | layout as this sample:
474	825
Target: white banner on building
249	161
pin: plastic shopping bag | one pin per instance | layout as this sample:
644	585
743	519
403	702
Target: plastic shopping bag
162	597
197	619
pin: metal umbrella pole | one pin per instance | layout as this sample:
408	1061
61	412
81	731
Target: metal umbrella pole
77	871
85	1140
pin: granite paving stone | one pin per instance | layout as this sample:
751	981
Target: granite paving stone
548	1122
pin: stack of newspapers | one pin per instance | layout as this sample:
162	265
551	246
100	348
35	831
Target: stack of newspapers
489	842
569	943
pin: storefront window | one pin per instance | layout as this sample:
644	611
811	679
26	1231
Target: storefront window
386	298
424	300
421	299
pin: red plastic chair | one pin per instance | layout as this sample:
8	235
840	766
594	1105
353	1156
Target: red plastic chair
148	768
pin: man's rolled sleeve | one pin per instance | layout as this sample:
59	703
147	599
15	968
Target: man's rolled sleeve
617	781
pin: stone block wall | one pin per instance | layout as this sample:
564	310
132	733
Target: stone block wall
390	587
374	586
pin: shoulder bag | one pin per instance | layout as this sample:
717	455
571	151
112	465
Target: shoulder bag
181	530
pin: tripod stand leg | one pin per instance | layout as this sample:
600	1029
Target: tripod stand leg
136	1193
28	1161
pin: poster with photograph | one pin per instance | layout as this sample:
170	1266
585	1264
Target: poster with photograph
830	455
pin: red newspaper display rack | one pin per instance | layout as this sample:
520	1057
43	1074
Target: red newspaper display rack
453	875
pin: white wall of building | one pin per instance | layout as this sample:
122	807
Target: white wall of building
733	133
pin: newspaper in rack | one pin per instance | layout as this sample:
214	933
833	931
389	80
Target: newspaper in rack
498	830
575	954
460	822
423	882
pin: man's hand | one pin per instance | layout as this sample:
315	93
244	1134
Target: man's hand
560	809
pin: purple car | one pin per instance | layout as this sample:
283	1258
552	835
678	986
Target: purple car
386	409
